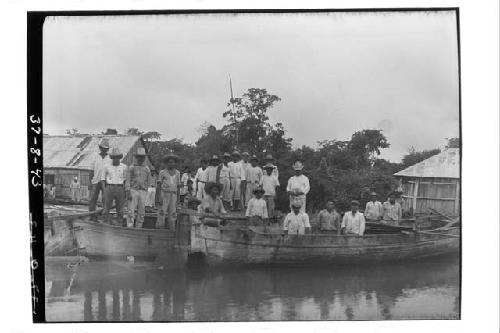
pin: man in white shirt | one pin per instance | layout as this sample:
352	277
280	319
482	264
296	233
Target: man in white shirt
237	175
211	171
269	184
374	209
245	165
253	178
75	189
200	175
392	211
257	206
269	160
224	177
298	187
353	222
99	160
114	177
296	222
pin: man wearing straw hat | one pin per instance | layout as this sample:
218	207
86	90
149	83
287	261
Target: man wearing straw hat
269	160
212	203
99	160
114	176
170	182
253	178
298	186
212	172
237	175
138	182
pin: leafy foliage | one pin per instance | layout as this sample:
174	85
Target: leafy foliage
413	156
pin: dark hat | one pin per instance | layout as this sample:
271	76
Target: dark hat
269	157
210	185
168	157
226	155
245	153
259	189
355	203
254	158
236	153
268	166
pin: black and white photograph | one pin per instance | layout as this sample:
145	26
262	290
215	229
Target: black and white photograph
251	166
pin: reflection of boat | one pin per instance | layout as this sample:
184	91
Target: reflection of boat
259	245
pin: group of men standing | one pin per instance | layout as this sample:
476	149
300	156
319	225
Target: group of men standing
120	184
231	182
353	222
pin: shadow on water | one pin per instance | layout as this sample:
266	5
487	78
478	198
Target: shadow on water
117	291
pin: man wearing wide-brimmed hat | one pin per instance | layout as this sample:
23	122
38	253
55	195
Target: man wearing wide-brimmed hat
269	184
211	173
138	182
296	222
257	206
170	183
270	160
374	209
212	203
253	178
298	186
237	175
99	160
114	176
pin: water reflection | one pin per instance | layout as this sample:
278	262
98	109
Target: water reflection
114	291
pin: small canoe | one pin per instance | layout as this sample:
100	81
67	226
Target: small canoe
263	245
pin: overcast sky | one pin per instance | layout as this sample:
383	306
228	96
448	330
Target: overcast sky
336	73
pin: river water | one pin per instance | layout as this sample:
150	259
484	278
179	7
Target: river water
121	291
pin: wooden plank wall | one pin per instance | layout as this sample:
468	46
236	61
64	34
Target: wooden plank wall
441	194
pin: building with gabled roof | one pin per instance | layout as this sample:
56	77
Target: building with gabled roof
66	157
432	183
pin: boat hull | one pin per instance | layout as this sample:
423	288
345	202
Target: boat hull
249	246
104	240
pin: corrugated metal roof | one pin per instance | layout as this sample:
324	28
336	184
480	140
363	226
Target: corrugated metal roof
76	151
446	164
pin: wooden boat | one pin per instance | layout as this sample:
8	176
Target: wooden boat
232	244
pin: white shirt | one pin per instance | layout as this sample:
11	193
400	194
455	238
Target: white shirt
298	184
254	175
354	224
115	174
257	207
269	184
374	210
296	224
184	178
97	165
210	174
236	170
